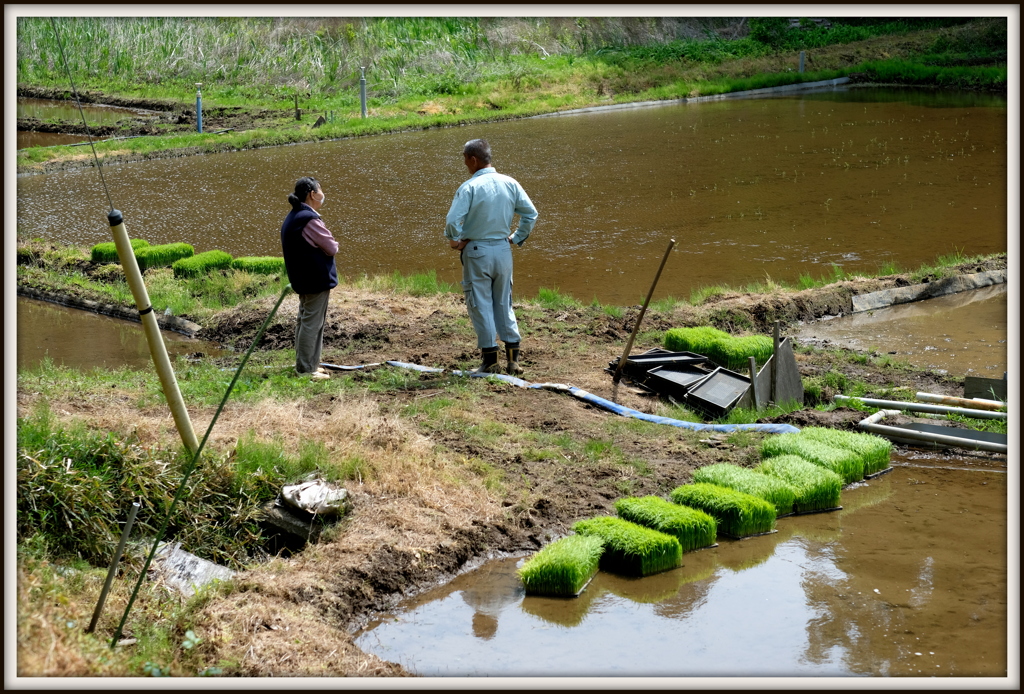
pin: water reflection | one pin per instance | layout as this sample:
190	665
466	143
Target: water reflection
749	188
912	567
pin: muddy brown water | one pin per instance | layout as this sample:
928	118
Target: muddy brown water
34	139
85	340
961	334
50	109
909	579
750	189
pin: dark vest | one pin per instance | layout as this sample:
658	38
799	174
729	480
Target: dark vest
310	270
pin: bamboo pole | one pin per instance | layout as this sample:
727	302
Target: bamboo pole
636	328
157	348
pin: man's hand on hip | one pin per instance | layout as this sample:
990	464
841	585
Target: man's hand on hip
458	245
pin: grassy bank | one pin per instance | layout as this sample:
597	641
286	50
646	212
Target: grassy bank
436	72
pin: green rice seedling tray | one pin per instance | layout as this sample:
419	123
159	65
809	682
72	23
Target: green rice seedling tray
815	488
632	549
693	528
773	490
738	514
843	462
875	451
563	568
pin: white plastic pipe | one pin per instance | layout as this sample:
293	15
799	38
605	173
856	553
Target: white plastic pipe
928	437
923	407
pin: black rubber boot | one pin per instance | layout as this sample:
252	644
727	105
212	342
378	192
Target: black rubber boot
512	354
490	365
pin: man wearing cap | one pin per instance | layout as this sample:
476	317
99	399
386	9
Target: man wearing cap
479	225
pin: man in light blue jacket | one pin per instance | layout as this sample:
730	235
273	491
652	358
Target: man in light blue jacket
479	225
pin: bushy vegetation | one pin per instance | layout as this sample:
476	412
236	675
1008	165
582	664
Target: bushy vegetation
107	252
738	514
775	492
815	488
630	548
564	567
201	264
694	529
843	462
874	451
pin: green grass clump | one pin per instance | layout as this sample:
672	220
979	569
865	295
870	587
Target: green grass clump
843	462
201	264
259	265
873	450
564	567
774	491
107	252
162	256
630	548
694	529
815	487
738	514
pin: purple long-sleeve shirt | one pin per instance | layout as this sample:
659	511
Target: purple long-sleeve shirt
317	234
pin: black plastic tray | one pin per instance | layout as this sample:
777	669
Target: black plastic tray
719	392
675	380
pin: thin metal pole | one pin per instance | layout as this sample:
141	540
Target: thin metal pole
362	90
199	107
636	328
113	566
803	54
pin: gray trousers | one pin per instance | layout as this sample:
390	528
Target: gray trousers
309	331
487	284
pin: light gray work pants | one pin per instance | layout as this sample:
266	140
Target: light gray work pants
309	331
487	284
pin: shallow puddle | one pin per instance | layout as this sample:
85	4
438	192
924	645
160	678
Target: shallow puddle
961	333
908	579
33	139
83	340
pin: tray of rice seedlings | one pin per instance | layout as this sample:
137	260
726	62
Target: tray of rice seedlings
873	450
563	568
738	514
775	491
841	461
815	488
700	340
735	352
694	529
632	549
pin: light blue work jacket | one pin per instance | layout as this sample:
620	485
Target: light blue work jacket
483	208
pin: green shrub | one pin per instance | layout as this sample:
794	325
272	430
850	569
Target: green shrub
162	256
694	529
815	487
107	252
262	265
564	567
201	264
738	514
873	450
774	491
846	464
630	548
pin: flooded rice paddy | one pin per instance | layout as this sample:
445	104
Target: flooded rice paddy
85	340
909	579
50	110
962	334
750	189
